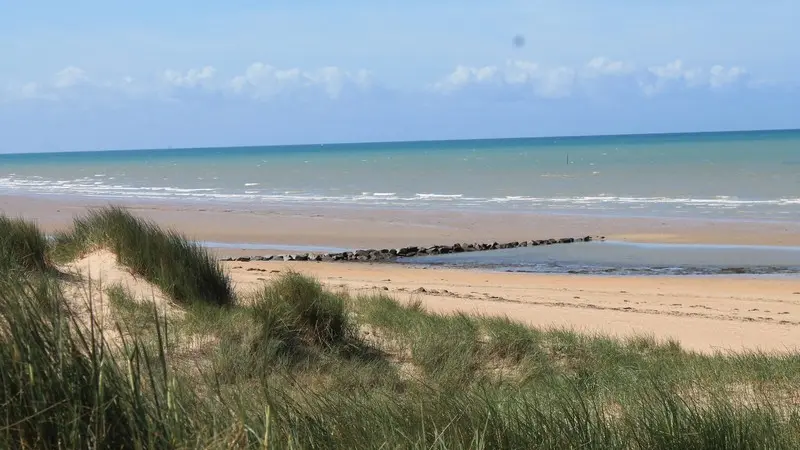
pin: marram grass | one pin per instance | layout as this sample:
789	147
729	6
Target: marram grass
23	247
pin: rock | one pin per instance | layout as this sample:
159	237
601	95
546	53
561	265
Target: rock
268	258
243	259
387	254
408	251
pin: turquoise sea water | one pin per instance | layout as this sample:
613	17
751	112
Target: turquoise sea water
735	175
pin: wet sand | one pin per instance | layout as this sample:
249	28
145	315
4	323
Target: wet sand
377	228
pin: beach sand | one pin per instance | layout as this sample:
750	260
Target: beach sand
703	314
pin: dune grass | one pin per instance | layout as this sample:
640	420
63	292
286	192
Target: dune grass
286	381
23	247
294	365
60	386
182	269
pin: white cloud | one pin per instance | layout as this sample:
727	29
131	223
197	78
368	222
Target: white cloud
263	81
192	78
259	81
69	77
59	84
464	76
554	82
543	81
602	66
74	84
720	76
676	74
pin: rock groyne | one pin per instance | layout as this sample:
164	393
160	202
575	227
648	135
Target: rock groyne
392	254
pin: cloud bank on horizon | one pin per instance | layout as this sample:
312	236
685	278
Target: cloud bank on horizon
184	75
261	82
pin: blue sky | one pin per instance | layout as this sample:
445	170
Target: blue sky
88	75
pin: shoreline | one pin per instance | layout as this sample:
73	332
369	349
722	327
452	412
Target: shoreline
166	203
343	227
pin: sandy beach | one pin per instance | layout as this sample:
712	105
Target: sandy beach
703	314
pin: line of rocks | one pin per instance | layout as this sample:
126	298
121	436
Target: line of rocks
391	254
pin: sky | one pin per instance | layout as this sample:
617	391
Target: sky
94	75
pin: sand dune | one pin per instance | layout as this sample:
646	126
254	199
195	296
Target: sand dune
86	290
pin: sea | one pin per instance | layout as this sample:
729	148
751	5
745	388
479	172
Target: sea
745	175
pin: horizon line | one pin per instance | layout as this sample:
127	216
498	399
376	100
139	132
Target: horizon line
416	141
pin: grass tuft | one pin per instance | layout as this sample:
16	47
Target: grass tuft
23	246
297	307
